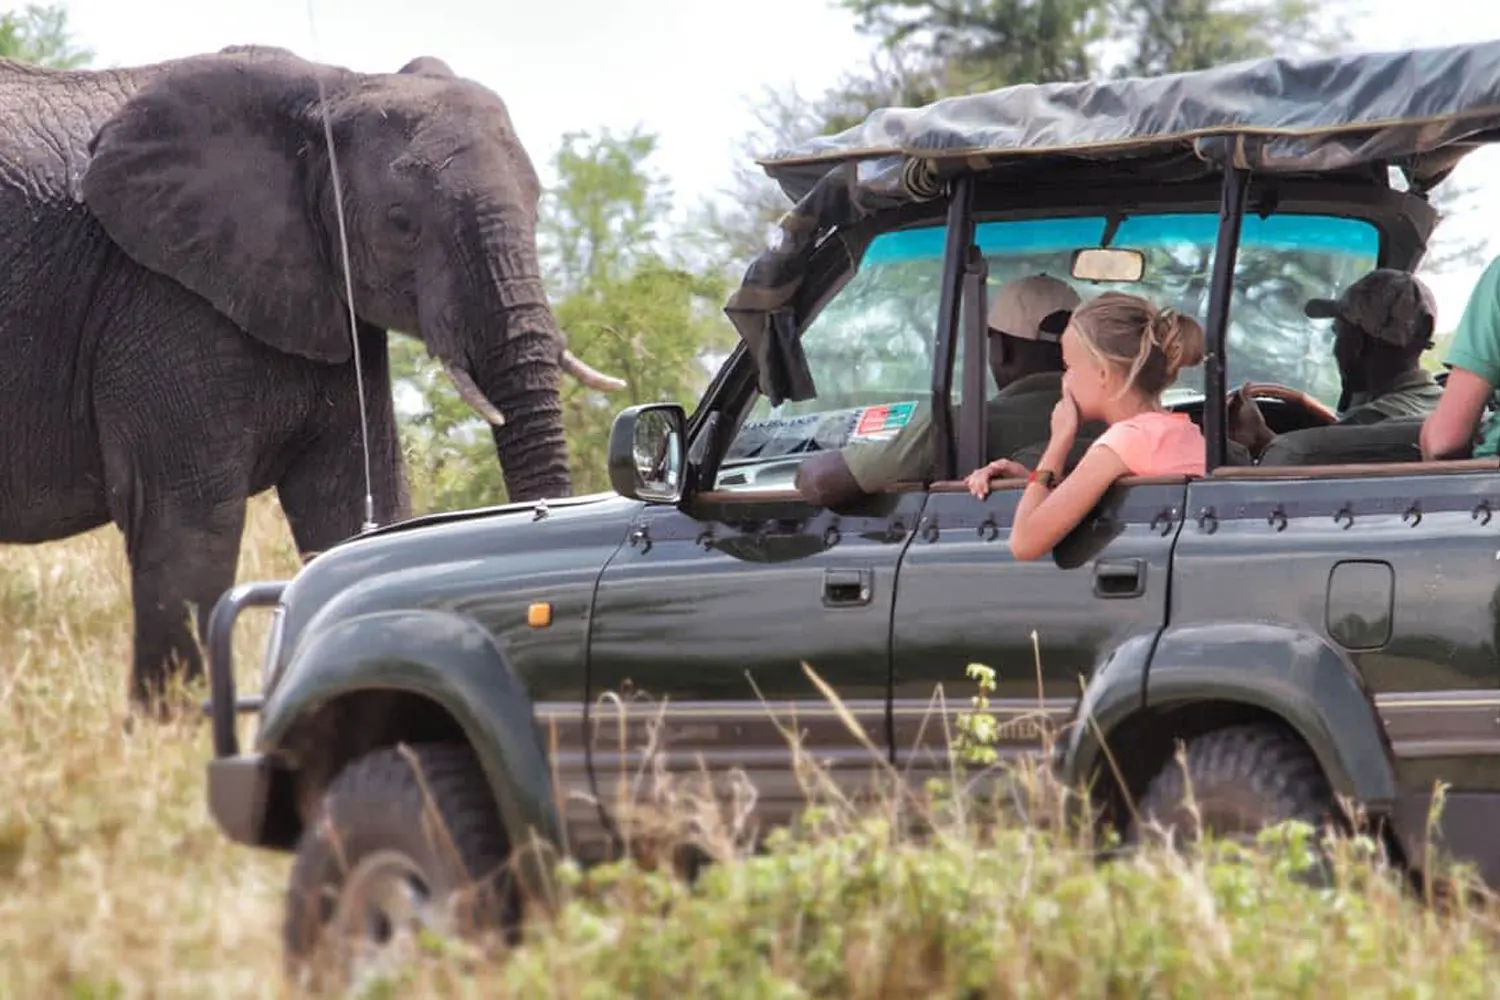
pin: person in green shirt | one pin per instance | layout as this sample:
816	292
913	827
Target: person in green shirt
1381	325
1460	427
1026	320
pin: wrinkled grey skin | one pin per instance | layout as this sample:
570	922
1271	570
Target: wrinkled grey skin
174	328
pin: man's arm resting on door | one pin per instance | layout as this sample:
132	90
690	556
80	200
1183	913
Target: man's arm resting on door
824	480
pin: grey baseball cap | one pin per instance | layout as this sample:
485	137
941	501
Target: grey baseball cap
1387	304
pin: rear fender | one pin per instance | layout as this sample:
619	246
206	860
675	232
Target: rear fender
1293	675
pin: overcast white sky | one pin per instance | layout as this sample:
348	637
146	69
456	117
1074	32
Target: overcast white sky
684	69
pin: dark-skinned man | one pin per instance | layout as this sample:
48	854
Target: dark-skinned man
1381	325
1027	316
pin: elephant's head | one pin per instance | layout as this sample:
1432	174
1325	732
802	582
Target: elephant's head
217	173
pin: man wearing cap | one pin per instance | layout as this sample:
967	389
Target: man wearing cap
1459	427
1026	319
1381	325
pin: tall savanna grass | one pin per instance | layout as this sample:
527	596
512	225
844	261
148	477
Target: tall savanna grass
114	881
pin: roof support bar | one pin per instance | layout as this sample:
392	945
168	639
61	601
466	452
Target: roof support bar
973	422
1216	329
959	238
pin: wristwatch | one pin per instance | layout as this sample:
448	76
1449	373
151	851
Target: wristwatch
1046	477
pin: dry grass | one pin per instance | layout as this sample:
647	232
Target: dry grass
114	881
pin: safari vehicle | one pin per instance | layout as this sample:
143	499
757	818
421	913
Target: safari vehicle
1319	627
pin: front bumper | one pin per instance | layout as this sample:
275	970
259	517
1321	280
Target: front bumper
240	786
224	706
238	790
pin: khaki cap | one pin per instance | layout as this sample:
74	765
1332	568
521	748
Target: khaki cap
1033	308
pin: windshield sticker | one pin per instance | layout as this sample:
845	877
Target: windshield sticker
883	421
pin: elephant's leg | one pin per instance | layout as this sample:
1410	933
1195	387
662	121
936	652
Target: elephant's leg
322	490
176	429
183	550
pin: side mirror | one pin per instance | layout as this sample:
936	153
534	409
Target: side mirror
646	452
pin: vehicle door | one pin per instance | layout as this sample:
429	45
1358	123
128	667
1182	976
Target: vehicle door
716	603
1043	626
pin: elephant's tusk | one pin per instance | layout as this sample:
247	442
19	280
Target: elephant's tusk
469	393
588	376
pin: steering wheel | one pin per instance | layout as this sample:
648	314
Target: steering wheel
1293	397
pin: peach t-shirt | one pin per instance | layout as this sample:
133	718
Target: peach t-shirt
1157	443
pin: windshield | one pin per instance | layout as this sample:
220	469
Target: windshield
872	345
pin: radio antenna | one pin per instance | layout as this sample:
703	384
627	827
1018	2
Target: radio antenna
338	203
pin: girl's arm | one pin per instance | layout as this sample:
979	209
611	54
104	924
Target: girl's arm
1045	515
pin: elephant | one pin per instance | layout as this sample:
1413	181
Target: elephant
203	258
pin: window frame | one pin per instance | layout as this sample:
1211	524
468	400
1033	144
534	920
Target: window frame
1404	222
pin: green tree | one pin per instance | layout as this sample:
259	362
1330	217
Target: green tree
40	34
929	49
628	301
1173	36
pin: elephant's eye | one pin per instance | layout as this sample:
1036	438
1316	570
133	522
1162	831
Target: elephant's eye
400	220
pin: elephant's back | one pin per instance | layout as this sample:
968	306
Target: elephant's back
49	116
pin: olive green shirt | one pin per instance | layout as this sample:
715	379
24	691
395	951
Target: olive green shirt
1018	416
1414	394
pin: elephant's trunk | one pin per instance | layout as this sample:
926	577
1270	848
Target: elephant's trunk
501	347
515	370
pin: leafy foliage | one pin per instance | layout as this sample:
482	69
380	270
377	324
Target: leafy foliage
39	34
927	50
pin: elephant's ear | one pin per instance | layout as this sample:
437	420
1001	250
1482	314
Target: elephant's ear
429	66
204	176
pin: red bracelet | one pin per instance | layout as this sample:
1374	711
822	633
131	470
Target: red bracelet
1046	477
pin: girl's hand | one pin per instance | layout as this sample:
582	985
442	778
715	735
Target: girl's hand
1064	418
978	481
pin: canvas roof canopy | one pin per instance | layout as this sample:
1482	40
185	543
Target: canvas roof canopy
1420	110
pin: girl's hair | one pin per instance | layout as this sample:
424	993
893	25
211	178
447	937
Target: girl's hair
1149	345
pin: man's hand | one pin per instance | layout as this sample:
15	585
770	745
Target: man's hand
1247	425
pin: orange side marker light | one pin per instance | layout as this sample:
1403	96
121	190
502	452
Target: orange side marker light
539	614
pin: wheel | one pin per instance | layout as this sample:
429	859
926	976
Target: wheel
1242	778
391	851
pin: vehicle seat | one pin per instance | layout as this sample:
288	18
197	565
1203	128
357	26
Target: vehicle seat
1393	440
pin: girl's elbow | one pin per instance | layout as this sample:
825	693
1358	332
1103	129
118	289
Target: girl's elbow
1024	549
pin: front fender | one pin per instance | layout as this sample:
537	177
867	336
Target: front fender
449	659
1295	674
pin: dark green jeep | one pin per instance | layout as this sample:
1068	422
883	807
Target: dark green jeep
1300	622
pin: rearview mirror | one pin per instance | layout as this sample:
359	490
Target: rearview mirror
1108	264
646	452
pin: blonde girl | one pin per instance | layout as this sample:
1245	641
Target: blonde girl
1120	353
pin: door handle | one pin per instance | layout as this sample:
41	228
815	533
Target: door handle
847	588
1114	578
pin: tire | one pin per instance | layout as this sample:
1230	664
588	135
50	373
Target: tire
1243	778
372	840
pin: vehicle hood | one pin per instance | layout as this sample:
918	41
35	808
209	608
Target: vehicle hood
433	561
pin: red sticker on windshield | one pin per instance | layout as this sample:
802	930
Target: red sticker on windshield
888	417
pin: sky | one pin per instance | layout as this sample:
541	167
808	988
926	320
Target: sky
687	70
